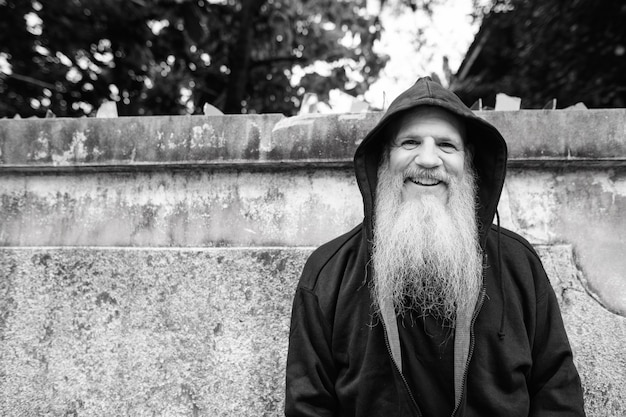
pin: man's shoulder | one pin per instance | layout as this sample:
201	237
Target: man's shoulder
331	255
512	242
521	257
331	248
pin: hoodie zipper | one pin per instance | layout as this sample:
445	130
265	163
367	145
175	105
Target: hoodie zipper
386	337
471	350
406	384
469	356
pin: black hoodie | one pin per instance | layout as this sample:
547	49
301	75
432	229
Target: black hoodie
511	356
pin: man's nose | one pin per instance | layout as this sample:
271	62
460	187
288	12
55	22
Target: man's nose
427	154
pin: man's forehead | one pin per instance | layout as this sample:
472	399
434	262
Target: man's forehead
429	118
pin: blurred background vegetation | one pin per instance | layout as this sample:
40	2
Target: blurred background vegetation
152	57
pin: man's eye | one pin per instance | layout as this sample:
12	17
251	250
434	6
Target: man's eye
447	145
410	144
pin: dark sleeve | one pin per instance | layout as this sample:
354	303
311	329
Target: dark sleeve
310	369
554	386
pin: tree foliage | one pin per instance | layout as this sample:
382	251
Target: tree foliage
574	51
172	56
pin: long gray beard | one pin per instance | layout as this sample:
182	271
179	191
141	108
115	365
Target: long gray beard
426	254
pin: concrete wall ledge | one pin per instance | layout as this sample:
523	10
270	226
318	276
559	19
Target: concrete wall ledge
282	165
536	137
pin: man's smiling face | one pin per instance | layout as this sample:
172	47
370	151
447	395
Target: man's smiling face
428	150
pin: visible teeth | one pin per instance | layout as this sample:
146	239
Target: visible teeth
426	181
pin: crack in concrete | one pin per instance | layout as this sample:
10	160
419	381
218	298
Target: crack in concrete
580	276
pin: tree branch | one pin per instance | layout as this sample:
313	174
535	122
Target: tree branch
34	81
239	59
274	60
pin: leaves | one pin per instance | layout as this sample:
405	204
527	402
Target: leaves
172	56
539	50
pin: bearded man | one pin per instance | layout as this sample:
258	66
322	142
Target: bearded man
426	308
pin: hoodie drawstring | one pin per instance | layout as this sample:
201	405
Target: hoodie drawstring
501	333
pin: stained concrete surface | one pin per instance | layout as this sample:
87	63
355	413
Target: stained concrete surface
585	208
197	181
202	332
596	334
95	332
133	140
300	207
181	208
531	134
140	329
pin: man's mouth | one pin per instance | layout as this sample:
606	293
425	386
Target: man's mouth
427	182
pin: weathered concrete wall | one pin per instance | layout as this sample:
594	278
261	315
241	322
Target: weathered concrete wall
147	264
225	207
143	332
201	332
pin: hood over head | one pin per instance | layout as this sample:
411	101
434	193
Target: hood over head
489	149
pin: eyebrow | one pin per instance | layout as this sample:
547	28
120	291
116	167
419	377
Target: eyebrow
437	137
